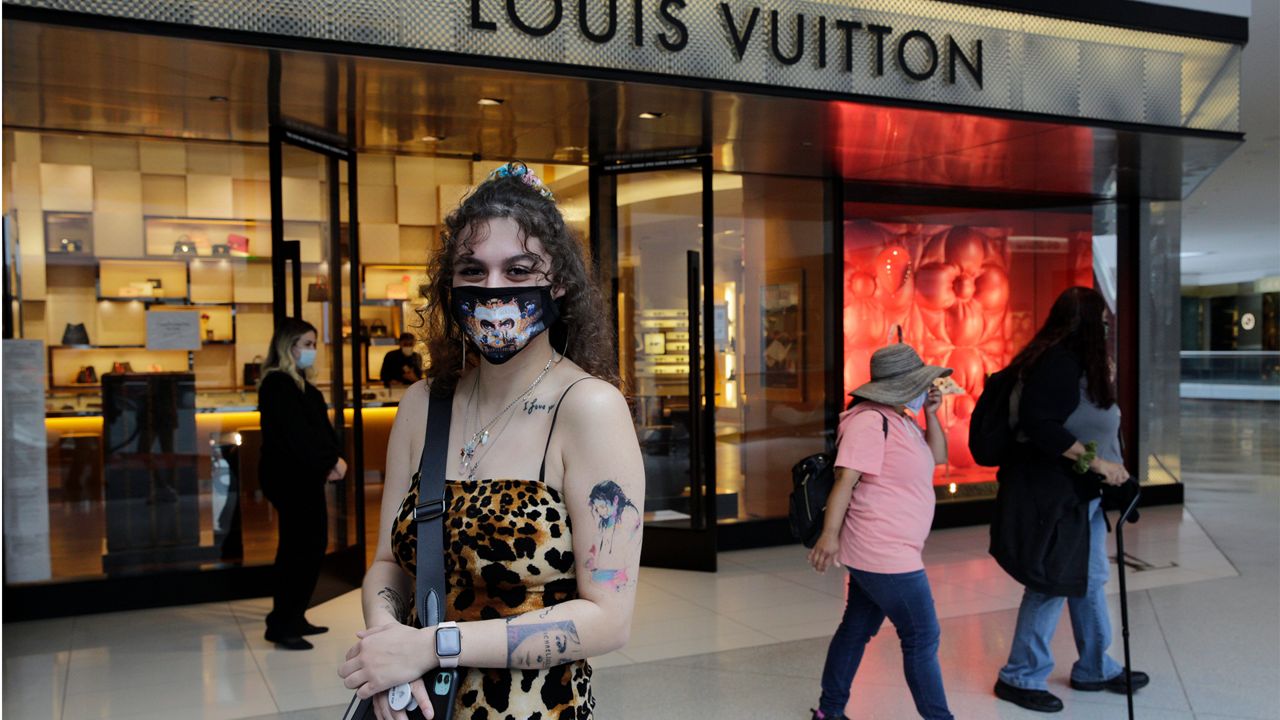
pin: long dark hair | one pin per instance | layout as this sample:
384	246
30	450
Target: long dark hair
1076	322
583	332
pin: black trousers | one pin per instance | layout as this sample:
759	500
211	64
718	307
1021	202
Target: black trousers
303	537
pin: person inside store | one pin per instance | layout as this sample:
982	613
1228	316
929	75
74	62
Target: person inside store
1049	532
877	518
403	367
543	474
300	454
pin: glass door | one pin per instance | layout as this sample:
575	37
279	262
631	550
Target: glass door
314	251
663	227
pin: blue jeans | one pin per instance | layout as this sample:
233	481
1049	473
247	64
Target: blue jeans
1031	660
906	600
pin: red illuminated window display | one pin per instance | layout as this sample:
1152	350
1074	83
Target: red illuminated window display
966	296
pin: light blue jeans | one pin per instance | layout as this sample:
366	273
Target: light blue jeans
1031	659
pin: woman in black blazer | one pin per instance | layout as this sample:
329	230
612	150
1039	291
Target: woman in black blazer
299	455
1049	532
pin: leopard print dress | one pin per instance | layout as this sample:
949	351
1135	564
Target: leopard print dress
508	550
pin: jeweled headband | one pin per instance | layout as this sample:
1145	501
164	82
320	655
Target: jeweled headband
517	169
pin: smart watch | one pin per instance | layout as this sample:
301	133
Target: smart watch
448	644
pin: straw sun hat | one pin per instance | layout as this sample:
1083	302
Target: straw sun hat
898	375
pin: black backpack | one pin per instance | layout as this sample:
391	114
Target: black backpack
991	432
811	481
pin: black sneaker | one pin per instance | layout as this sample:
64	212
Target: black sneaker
1115	684
1037	700
817	716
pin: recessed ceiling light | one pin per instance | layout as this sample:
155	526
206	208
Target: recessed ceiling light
651	115
218	98
490	101
432	138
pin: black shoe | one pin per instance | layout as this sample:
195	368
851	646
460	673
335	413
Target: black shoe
816	716
288	642
1115	684
1038	700
309	629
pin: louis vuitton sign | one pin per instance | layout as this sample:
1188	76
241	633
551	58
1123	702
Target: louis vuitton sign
790	38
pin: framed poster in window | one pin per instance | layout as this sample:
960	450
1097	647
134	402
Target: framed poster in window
782	323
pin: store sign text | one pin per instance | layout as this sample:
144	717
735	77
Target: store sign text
825	41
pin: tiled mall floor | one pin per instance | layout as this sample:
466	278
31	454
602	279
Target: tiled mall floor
748	642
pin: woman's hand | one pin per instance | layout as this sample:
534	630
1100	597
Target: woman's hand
339	471
386	656
933	401
382	705
1112	474
824	552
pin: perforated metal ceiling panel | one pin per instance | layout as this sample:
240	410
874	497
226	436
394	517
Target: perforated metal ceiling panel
934	52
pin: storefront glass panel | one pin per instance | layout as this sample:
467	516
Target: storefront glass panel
771	399
967	288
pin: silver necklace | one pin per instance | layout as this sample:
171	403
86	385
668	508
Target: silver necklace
467	453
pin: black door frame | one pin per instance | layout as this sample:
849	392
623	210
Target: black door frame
344	569
694	547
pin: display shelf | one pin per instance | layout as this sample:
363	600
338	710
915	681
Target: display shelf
391	284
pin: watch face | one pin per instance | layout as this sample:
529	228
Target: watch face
448	642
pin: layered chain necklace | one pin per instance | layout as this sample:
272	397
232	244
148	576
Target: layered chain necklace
467	453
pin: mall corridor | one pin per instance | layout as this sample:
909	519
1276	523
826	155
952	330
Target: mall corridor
749	641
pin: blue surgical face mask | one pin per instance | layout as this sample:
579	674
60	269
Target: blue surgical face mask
915	404
306	358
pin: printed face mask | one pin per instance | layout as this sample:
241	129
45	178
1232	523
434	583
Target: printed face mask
502	321
916	403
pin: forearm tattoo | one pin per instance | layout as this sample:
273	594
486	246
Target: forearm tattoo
616	541
395	604
542	645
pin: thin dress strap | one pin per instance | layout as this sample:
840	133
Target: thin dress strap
542	469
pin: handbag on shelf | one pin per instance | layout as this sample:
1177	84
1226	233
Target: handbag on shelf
442	683
87	375
237	245
75	334
377	329
253	371
120	368
318	291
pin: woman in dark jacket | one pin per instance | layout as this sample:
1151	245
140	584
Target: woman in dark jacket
1049	532
299	454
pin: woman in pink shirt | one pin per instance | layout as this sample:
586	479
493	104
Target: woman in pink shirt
877	518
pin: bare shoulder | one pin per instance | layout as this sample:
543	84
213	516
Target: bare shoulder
413	404
593	401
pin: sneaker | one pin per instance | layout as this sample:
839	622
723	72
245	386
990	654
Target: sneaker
1115	684
1037	700
817	715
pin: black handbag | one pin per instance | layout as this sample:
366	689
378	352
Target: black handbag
75	334
253	371
442	683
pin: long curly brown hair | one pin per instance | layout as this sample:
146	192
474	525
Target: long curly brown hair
1076	322
583	332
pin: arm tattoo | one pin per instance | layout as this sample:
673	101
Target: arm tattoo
395	603
613	547
542	645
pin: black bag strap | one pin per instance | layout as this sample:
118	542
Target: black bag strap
429	512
